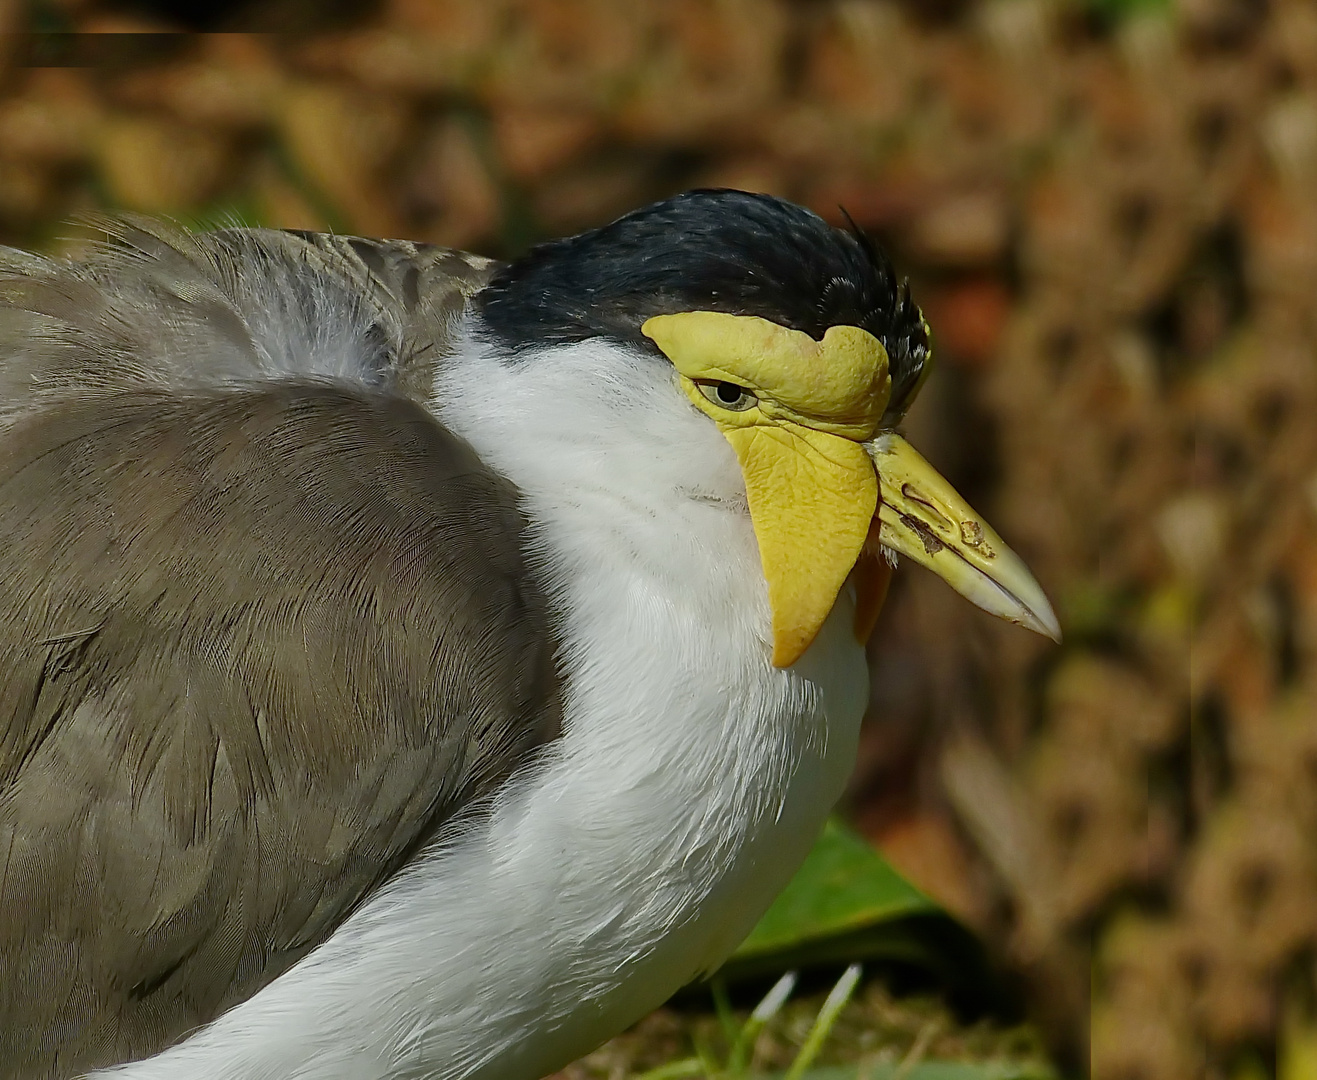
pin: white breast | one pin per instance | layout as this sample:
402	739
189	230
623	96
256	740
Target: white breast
689	783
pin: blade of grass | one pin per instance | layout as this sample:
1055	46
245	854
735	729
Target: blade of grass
917	1050
722	1005
827	1017
675	1070
738	1059
708	1059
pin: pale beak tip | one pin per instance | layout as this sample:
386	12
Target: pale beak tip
920	515
1025	602
1043	621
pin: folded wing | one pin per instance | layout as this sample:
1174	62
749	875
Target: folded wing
263	631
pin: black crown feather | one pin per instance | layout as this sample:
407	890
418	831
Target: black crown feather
713	250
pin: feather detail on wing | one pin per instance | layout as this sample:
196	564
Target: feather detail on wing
265	625
163	307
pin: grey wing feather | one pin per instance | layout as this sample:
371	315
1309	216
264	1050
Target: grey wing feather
264	624
164	307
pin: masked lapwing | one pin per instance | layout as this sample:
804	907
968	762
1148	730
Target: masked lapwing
414	666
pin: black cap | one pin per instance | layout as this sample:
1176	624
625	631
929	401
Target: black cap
709	250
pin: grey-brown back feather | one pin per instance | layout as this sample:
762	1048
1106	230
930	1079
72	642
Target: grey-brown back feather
264	625
169	308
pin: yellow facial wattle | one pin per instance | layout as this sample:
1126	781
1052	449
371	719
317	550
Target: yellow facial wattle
828	491
810	484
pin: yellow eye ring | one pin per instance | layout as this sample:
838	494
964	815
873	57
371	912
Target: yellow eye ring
728	395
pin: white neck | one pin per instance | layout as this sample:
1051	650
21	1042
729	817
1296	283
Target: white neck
689	782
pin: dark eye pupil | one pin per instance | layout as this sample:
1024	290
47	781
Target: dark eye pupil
729	393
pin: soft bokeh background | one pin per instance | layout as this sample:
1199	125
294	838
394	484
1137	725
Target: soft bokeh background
1109	213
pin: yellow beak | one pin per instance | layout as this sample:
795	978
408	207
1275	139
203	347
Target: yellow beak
821	514
922	516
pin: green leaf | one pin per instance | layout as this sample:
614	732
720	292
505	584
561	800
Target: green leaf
844	885
846	904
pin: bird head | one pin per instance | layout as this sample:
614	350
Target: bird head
795	339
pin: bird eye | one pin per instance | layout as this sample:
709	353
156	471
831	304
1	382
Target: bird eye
728	395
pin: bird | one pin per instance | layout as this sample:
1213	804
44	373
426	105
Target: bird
419	665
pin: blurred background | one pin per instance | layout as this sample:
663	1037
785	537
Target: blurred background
1108	211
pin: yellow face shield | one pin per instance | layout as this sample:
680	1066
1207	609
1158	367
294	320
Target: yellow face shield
802	416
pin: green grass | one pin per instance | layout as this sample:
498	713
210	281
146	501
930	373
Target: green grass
855	1031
